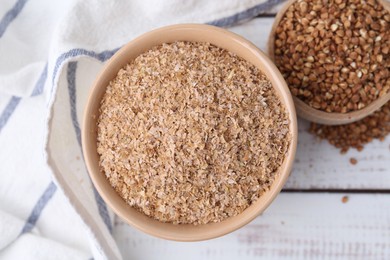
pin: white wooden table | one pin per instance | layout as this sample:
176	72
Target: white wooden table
329	208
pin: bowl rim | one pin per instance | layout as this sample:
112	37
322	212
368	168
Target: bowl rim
284	95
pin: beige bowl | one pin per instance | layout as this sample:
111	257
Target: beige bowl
194	33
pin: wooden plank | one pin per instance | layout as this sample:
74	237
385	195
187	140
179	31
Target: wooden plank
296	226
319	165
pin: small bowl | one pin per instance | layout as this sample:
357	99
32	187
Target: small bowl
195	33
315	115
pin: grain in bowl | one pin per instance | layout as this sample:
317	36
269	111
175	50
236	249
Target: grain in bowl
190	133
334	54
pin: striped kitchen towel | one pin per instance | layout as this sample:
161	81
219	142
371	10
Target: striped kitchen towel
51	51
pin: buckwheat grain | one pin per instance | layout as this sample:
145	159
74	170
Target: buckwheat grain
334	54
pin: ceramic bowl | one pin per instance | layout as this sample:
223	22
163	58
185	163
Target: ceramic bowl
194	33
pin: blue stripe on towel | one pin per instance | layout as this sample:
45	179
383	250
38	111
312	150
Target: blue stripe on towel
71	77
38	208
245	15
11	15
8	111
14	101
39	86
101	56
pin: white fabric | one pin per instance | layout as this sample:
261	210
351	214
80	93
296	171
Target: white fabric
50	53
